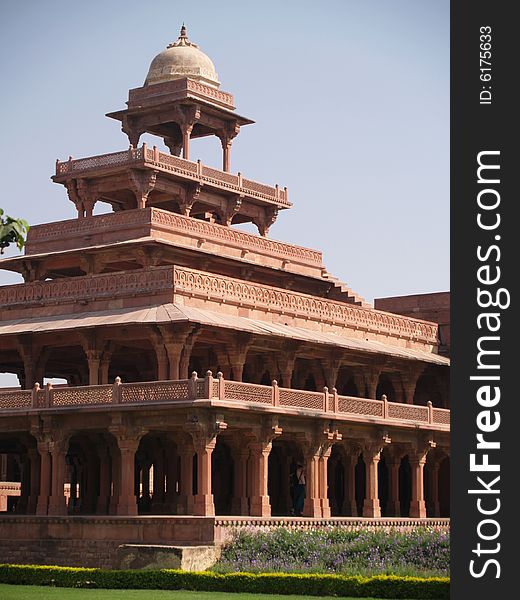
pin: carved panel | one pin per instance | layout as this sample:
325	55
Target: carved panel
407	412
16	399
301	398
359	406
441	416
82	396
162	391
248	392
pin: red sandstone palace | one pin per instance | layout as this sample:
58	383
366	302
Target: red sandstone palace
202	362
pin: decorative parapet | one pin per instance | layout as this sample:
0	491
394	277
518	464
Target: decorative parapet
246	294
93	228
217	389
180	85
220	289
153	158
106	285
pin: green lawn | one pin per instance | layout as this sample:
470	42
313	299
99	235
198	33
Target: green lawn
34	592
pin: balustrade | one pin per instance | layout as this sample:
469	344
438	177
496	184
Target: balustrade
211	388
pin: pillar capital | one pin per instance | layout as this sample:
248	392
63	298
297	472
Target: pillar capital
142	183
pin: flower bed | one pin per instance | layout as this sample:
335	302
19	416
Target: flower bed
423	552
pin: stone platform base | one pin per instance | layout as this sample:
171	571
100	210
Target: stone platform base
152	541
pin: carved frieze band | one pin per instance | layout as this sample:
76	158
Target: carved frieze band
109	285
229	290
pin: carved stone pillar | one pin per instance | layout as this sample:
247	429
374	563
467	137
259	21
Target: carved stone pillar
260	502
409	378
323	481
204	504
331	368
45	477
371	506
174	144
312	505
238	354
127	502
184	362
142	182
286	367
186	129
417	503
57	503
94	361
371	381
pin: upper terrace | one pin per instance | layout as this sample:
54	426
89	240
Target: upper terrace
143	176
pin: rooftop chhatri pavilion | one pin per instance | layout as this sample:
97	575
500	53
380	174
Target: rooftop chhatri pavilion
202	362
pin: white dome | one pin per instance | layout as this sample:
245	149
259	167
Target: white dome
182	59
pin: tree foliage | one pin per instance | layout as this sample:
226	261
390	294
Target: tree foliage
12	231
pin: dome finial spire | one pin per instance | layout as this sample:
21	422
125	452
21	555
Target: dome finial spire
184	33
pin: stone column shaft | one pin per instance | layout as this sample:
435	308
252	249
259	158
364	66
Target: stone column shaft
204	504
260	501
45	479
371	506
57	504
127	504
417	503
312	505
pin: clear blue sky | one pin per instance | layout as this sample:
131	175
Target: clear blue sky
350	99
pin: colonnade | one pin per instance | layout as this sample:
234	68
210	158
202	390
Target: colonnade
124	472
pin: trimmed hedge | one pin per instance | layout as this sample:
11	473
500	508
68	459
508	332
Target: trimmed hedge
381	586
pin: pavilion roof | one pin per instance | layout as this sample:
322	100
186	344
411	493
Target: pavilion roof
168	313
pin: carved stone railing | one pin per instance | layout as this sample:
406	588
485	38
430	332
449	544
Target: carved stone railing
152	157
247	294
106	285
217	389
